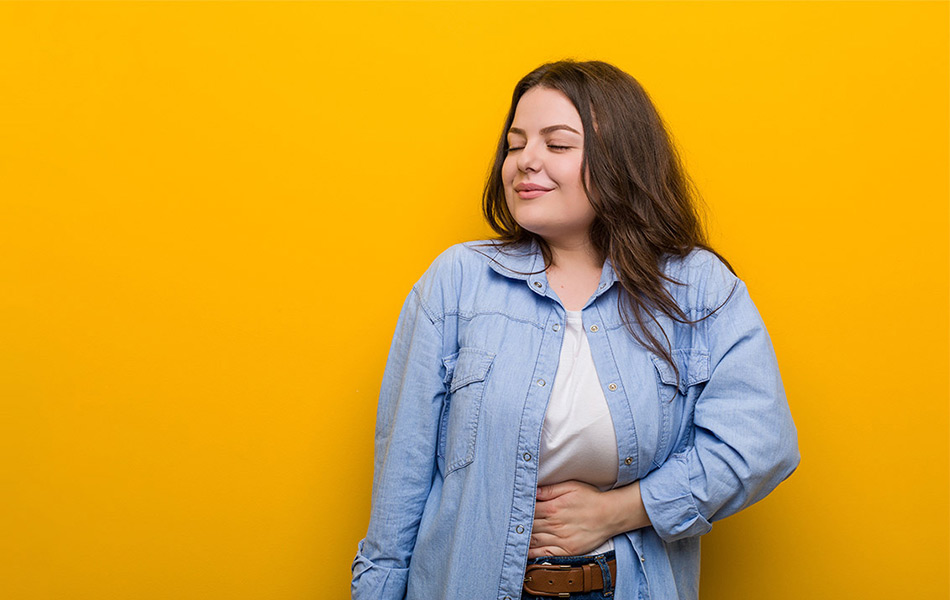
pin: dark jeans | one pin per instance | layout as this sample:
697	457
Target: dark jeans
576	561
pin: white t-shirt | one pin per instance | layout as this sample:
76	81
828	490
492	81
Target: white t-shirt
578	439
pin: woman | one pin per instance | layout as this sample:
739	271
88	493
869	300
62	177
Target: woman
567	408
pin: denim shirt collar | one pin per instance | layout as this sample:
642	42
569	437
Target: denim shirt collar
526	262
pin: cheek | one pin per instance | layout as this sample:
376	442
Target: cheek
507	179
566	172
508	171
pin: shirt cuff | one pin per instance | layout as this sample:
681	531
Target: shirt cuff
669	502
374	582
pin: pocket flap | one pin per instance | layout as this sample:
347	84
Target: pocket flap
664	369
693	365
469	366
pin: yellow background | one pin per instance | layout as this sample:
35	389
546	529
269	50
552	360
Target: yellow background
211	213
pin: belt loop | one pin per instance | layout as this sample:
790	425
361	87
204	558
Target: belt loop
605	570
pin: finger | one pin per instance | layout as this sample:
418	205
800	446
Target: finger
548	492
552	526
541	539
543	510
546	551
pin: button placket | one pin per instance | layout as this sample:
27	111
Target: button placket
525	483
617	396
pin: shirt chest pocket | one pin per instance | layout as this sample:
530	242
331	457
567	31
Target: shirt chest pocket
678	397
466	374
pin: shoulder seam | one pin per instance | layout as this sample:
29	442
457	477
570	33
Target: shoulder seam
427	310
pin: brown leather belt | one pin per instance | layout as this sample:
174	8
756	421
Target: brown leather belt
560	581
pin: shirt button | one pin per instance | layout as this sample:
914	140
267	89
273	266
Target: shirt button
527	455
537	284
643	559
556	327
612	387
602	286
519	529
541	382
628	461
594	328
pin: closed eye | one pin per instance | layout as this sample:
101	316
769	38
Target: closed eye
551	146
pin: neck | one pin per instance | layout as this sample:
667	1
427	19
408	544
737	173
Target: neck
574	272
575	255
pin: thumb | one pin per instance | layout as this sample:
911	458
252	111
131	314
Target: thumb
548	492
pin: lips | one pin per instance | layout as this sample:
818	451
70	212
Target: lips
527	191
530	187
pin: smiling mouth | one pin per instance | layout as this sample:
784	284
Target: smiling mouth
529	194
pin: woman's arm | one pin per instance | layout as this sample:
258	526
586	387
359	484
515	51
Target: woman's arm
745	440
410	402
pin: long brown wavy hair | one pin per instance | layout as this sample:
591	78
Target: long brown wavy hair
645	203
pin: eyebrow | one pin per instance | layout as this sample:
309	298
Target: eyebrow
546	130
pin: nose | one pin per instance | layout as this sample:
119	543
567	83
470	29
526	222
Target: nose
529	159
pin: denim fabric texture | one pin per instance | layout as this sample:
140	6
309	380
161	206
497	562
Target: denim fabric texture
463	399
576	561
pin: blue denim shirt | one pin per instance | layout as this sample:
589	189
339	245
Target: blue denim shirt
463	399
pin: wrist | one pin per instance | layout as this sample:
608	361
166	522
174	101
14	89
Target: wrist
626	509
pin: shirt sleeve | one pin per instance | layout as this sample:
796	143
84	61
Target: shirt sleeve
745	440
410	402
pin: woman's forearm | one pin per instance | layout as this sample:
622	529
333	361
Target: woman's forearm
624	508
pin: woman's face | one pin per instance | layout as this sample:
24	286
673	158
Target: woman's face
542	172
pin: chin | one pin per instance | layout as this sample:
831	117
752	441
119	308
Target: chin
537	229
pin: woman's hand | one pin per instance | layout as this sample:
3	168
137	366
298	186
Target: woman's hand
572	518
